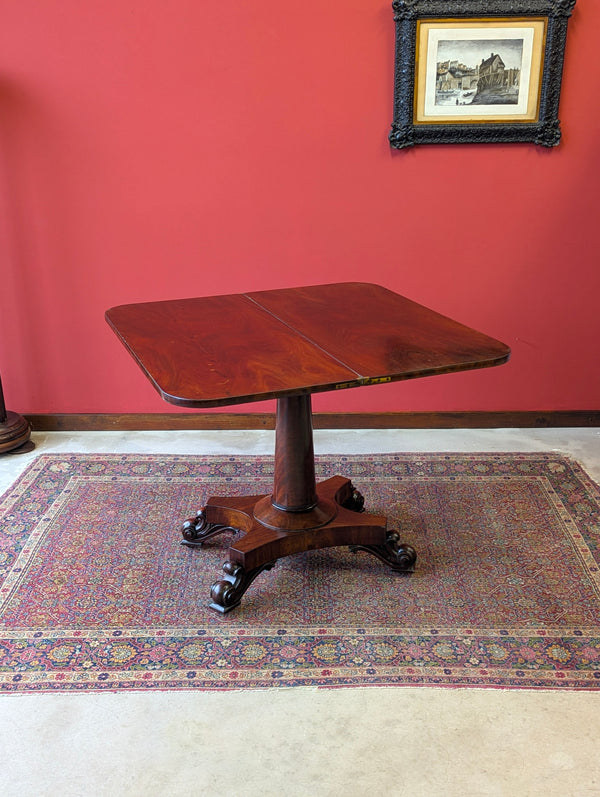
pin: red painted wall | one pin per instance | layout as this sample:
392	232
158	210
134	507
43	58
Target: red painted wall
153	149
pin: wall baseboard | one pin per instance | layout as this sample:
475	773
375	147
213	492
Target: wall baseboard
101	422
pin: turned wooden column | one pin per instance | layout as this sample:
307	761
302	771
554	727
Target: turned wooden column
294	504
294	484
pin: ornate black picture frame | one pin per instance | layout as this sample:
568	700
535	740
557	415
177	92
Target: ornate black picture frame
478	71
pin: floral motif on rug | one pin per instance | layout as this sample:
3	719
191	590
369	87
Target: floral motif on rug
97	593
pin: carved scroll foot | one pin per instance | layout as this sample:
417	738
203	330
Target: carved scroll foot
196	531
396	554
227	594
355	502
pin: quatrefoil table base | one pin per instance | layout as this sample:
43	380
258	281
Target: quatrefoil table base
338	521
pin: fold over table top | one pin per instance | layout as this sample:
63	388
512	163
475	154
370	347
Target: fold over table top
220	350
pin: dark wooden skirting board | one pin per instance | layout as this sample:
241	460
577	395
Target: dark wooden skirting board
99	422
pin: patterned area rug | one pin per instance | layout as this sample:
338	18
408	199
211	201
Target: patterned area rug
97	592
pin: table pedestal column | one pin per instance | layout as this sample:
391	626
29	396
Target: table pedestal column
294	485
294	504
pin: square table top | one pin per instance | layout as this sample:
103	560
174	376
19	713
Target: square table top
221	350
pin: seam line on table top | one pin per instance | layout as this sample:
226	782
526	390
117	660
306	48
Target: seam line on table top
302	335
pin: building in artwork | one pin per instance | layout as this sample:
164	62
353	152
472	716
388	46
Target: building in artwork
454	76
493	74
490	79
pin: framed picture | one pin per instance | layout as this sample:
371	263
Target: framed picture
473	71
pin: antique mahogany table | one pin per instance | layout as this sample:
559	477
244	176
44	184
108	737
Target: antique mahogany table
287	344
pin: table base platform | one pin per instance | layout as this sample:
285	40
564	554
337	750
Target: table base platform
269	533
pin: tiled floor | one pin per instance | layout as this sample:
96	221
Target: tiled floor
318	743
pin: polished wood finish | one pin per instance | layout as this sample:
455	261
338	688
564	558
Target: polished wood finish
184	421
294	488
260	546
216	351
379	335
15	430
287	344
221	350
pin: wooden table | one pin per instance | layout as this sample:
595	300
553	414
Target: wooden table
287	344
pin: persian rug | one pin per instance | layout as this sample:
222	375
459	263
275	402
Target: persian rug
96	592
